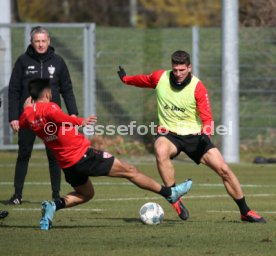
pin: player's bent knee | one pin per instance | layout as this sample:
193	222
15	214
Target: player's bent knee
88	196
86	191
161	155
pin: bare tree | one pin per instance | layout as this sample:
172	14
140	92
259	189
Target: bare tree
258	13
102	12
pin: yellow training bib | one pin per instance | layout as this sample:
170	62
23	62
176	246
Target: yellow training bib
177	110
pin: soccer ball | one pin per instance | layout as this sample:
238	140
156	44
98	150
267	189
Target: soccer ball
151	213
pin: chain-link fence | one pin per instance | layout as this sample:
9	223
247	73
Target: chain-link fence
146	50
143	51
74	42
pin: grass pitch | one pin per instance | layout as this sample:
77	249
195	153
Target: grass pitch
110	225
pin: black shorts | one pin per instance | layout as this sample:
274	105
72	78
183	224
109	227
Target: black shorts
93	163
195	146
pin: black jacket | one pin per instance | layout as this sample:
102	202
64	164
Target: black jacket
32	65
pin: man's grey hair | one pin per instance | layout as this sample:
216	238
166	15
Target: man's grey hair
39	30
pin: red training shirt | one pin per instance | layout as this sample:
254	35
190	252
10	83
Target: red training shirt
57	130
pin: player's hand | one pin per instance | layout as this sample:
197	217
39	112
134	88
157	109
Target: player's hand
121	73
28	102
89	120
15	125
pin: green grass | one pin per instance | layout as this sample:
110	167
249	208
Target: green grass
110	225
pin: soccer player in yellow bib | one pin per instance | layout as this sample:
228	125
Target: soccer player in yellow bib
185	125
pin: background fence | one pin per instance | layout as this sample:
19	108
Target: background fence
142	51
146	50
75	43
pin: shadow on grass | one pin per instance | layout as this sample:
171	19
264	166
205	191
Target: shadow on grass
59	226
56	227
217	221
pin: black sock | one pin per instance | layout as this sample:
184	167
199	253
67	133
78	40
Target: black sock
60	203
244	209
165	191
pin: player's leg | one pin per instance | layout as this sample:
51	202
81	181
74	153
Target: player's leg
55	174
215	161
164	151
130	172
26	139
80	195
83	189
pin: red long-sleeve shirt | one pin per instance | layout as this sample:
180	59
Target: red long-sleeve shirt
201	95
57	130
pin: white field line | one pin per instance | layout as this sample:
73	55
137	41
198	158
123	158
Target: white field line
30	165
153	198
160	198
215	211
141	162
130	184
102	210
48	183
69	209
186	197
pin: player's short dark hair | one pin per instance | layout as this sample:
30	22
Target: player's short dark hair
36	87
181	57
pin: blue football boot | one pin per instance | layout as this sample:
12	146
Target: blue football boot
48	210
179	190
175	199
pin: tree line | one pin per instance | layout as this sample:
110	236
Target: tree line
148	13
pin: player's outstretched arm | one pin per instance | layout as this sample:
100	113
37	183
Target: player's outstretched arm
140	80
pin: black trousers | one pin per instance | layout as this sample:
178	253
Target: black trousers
26	138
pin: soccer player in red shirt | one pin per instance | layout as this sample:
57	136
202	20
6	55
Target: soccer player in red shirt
75	155
185	125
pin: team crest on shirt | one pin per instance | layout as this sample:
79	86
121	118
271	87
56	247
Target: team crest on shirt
51	70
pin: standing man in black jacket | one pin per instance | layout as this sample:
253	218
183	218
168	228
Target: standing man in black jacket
39	61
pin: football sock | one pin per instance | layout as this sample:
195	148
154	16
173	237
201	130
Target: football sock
244	209
165	191
60	203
